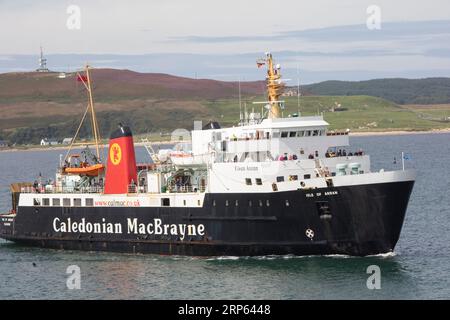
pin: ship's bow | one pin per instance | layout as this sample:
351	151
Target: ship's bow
379	212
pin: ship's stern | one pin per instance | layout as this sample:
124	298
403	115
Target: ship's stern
6	225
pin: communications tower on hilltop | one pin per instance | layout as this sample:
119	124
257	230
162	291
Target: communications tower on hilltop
42	63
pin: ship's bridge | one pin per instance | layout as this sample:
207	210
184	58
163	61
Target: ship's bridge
270	139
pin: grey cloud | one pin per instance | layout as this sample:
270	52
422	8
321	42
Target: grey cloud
389	31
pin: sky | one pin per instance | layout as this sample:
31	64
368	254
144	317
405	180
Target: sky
312	40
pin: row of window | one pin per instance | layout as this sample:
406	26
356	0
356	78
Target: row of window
297	134
258	181
293	177
66	202
250	203
89	202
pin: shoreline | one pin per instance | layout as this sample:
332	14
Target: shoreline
140	144
56	148
397	132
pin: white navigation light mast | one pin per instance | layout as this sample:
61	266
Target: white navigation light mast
298	90
42	63
240	103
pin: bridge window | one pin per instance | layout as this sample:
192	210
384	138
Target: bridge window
66	202
248	181
89	202
292	134
259	181
275	135
46	202
280	179
77	202
315	133
284	134
307	176
300	133
56	202
307	133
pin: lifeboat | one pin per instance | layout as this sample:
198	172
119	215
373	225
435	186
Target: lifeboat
90	170
183	158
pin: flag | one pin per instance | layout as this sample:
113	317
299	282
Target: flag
81	78
407	157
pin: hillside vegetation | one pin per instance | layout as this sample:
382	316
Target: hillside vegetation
35	106
401	91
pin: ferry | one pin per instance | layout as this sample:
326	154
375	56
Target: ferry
270	185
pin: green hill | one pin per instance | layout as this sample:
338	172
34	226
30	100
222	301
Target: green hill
35	106
401	91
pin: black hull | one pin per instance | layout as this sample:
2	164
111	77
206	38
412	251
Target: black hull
353	220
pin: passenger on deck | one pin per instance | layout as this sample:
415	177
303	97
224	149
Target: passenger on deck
132	186
178	184
36	186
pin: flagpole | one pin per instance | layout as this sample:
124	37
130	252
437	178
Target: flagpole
403	161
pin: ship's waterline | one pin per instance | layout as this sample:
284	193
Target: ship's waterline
133	226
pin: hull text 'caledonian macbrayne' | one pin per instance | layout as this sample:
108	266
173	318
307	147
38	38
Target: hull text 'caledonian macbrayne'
267	186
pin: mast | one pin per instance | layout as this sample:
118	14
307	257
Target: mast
94	123
86	80
240	103
274	84
298	90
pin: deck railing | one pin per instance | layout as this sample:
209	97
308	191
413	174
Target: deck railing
49	189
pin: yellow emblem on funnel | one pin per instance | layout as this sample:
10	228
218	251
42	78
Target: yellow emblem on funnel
115	154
